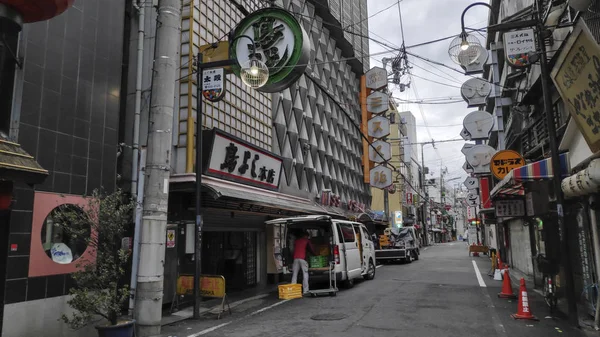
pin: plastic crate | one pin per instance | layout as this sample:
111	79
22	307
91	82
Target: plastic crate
317	262
290	291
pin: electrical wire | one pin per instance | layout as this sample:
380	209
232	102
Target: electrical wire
365	19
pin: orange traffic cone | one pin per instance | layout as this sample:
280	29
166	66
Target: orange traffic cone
507	291
523	312
500	265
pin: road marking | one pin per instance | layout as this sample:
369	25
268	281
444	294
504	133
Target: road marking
379	266
478	274
205	331
425	248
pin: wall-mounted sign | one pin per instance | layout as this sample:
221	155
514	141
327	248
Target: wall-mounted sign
281	43
509	208
381	177
468	168
475	91
464	134
471	183
478	124
472	199
376	78
380	151
575	75
517	46
170	238
471	213
409	198
484	192
378	127
213	84
465	149
475	67
504	161
398	221
479	157
234	159
378	102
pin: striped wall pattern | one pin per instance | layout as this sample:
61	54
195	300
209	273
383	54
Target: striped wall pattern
314	121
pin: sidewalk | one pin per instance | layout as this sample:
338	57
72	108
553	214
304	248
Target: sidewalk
548	323
213	306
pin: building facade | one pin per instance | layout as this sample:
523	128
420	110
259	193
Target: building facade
64	112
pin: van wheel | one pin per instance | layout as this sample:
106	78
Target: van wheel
408	258
416	256
371	271
349	283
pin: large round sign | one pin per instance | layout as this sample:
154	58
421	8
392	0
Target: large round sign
280	42
505	161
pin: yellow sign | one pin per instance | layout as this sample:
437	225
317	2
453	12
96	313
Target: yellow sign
185	285
210	285
213	52
576	75
505	161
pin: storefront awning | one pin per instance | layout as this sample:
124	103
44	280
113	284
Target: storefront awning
512	184
221	189
17	165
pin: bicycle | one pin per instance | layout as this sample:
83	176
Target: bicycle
549	270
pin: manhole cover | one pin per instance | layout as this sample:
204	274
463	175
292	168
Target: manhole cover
328	317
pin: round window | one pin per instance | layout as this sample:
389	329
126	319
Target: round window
64	234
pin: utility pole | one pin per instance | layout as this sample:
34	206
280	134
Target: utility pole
557	172
148	301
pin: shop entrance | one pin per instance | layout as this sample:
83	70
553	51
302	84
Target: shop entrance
233	255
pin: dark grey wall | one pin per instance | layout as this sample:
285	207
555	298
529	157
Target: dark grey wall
71	95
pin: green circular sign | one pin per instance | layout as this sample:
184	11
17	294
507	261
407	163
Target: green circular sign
281	43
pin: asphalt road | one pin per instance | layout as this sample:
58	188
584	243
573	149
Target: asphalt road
438	295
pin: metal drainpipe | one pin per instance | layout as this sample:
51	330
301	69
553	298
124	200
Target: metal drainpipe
596	243
136	174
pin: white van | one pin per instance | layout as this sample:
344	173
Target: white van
348	244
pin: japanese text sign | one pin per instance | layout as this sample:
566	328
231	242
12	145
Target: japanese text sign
233	159
509	208
577	78
505	161
213	84
518	44
381	177
212	286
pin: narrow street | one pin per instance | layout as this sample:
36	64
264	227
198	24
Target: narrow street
438	295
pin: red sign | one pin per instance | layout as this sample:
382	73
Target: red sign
13	247
447	207
409	198
484	192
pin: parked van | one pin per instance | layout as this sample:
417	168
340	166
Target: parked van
345	243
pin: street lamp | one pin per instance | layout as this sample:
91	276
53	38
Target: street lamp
254	73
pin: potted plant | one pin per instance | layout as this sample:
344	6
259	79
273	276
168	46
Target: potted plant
98	291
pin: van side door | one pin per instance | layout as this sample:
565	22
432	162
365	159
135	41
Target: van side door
368	246
349	242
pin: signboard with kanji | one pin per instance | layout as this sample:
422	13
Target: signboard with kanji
381	177
378	102
576	76
171	238
518	45
378	127
213	84
376	78
509	208
504	161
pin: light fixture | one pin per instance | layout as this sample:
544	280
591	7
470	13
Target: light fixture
254	73
465	49
464	45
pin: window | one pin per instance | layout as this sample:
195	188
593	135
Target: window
61	242
346	232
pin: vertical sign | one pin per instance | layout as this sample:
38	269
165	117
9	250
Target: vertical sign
213	84
518	44
484	190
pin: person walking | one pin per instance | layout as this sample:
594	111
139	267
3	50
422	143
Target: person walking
301	246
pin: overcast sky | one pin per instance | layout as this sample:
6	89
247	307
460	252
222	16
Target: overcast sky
426	20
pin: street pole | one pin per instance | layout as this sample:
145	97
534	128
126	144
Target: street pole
557	174
386	204
148	301
426	204
198	170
